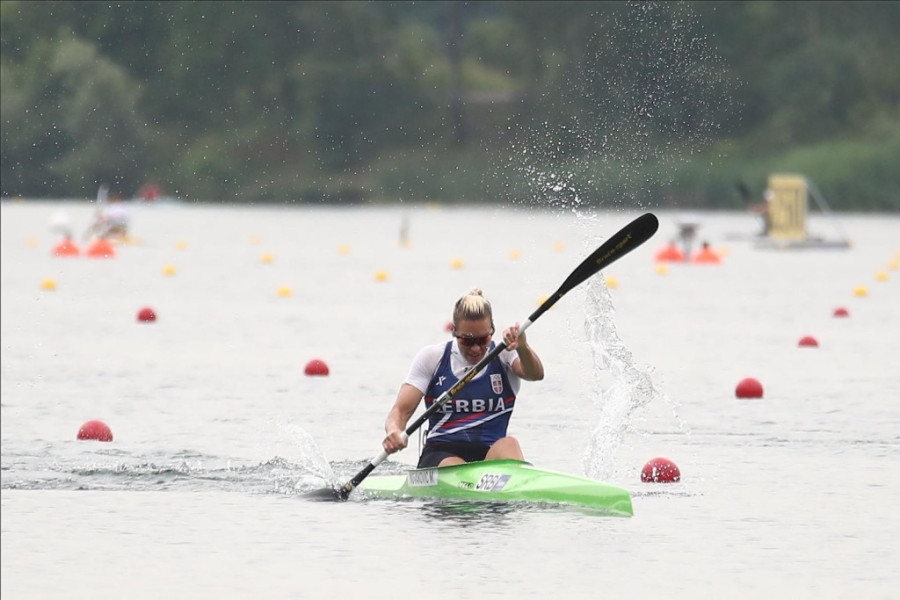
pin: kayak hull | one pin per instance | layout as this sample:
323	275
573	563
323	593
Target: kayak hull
501	481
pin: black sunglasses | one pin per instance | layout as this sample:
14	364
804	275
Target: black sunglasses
472	340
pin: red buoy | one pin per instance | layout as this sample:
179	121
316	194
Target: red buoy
808	341
748	388
95	430
316	367
146	315
660	470
841	312
449	326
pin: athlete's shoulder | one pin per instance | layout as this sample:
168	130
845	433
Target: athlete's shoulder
431	353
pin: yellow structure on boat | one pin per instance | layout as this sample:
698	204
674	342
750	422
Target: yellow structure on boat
788	205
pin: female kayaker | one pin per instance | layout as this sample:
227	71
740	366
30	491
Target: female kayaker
472	425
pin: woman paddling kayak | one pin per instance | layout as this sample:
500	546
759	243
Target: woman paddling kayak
472	425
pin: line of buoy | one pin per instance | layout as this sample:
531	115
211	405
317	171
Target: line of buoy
752	388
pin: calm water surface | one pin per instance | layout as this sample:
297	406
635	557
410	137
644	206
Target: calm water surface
218	432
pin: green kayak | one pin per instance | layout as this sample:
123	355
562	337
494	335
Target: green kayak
501	481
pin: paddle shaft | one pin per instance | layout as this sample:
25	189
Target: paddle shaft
624	241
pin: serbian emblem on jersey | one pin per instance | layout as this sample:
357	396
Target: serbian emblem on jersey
497	384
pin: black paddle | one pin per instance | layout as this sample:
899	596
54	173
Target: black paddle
627	239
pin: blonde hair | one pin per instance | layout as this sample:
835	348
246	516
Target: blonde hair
473	307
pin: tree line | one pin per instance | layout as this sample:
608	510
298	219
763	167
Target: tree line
539	103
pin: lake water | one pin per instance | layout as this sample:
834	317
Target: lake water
218	432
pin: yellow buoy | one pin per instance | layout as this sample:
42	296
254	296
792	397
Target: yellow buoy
894	265
611	282
32	242
559	246
515	254
457	263
181	245
881	276
860	292
168	270
381	276
285	291
254	239
343	249
267	258
48	284
662	269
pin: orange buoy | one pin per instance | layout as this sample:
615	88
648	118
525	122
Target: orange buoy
146	315
841	312
705	256
101	248
808	341
316	367
660	470
66	248
670	253
748	388
95	430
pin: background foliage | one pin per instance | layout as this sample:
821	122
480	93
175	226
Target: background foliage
544	103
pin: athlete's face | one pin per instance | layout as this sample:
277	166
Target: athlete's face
473	338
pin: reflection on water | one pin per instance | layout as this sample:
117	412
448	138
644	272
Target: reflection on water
467	514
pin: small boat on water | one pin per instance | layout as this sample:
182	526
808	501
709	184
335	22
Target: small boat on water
501	481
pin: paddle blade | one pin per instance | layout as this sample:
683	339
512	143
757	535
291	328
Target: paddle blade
621	243
327	494
618	245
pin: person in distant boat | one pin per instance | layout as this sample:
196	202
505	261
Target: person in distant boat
111	219
472	425
116	218
762	209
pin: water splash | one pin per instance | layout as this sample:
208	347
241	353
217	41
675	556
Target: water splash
646	93
311	459
631	389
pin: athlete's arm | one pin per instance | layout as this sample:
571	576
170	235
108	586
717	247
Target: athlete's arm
407	400
527	365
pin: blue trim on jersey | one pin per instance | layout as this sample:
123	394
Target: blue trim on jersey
477	414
